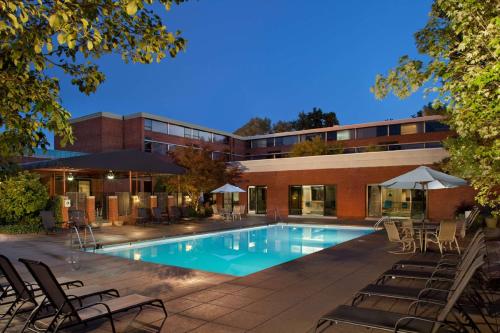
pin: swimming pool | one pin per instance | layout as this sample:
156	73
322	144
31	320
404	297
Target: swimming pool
238	252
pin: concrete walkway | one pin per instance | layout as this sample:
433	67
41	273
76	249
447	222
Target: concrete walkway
285	298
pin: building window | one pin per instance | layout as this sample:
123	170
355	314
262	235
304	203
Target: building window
312	200
259	143
382	130
187	132
403	203
331	136
395	129
310	137
365	133
160	127
436	126
345	135
205	136
285	140
148	124
175	130
270	142
148	147
221	138
413	128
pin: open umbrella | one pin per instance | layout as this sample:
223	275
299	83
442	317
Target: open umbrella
424	178
228	188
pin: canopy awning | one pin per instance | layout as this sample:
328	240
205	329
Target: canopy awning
424	178
228	188
119	160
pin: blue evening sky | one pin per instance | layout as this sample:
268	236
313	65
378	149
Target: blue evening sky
268	58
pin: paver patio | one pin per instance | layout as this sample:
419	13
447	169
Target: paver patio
285	298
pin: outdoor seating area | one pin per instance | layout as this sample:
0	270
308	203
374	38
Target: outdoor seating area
454	292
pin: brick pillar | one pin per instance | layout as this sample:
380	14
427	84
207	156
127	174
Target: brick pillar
64	212
153	201
134	204
90	208
112	208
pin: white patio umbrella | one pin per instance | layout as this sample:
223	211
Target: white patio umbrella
424	178
228	188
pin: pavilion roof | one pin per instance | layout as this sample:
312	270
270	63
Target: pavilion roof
118	160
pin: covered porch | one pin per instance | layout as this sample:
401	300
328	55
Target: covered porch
108	187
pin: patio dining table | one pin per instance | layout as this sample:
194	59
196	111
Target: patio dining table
422	228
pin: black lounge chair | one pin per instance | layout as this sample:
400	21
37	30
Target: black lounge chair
410	322
440	273
449	260
69	315
24	295
142	216
429	291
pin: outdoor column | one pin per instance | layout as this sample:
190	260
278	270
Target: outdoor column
64	183
90	208
153	201
130	182
64	211
112	208
133	209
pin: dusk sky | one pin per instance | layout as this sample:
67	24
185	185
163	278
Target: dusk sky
269	59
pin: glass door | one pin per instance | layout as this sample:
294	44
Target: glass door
295	200
257	199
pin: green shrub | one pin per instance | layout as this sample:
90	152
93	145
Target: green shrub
29	225
56	206
21	198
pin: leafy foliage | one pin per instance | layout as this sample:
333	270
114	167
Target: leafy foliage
430	110
21	198
65	35
203	173
255	126
462	42
313	119
316	146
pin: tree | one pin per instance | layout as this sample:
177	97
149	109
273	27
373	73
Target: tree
315	119
255	126
283	126
44	39
22	196
316	146
203	173
430	110
461	41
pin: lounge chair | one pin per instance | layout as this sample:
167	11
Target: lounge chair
236	213
49	223
429	291
216	214
451	260
142	216
174	213
444	273
406	241
409	322
68	314
24	294
445	235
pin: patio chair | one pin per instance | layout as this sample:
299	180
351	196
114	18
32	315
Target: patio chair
142	216
25	294
68	314
236	213
49	223
216	214
451	260
406	241
410	322
157	215
175	213
445	235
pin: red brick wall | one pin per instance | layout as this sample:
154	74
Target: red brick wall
133	133
95	135
351	189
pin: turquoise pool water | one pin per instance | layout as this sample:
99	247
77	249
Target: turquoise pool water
238	252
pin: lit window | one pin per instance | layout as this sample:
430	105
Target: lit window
413	128
345	135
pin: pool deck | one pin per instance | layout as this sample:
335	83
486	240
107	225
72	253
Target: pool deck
286	298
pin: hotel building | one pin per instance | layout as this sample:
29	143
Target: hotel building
341	185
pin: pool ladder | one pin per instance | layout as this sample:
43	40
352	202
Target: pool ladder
277	216
380	222
83	244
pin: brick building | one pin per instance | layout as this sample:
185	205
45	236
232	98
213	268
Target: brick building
339	185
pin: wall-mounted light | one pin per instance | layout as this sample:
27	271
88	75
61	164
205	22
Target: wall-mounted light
110	175
70	177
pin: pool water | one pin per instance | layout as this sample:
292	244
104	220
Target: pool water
238	252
